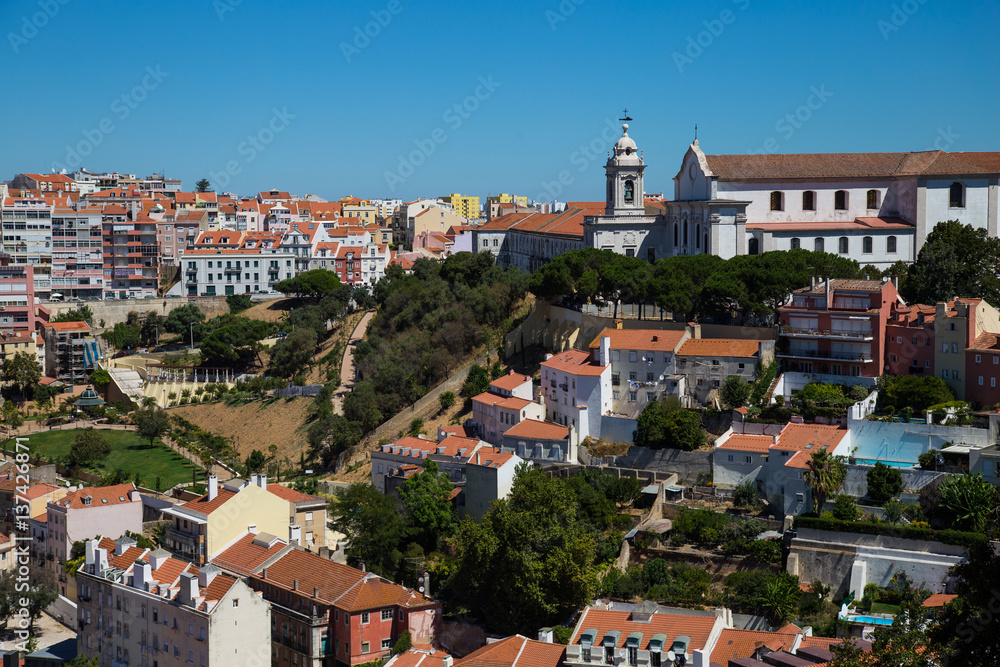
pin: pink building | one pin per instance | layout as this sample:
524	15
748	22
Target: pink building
17	296
507	403
87	513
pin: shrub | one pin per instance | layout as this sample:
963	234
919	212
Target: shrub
746	494
884	482
447	399
845	509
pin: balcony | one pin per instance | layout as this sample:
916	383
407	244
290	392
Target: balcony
859	357
801	332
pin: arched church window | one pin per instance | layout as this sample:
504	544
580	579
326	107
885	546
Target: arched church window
685	232
753	246
676	233
629	192
697	236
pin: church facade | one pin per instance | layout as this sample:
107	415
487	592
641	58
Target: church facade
875	208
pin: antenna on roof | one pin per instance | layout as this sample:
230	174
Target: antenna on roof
626	116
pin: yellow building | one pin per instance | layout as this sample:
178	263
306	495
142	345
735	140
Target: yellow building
465	206
364	213
507	199
12	342
202	527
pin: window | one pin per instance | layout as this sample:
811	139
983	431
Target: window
956	195
632	396
944	347
979	358
819	245
753	246
866	245
844	245
873	197
890	244
808	200
951	326
386	644
954	375
944	374
993	382
729	457
777	201
309	517
796	243
840	200
632	376
365	647
980	380
387	614
616	379
954	348
236	602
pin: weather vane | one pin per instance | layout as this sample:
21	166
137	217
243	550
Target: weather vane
626	118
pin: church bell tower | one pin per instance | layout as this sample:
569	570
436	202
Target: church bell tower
625	194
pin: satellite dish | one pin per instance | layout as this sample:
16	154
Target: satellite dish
421	589
671	656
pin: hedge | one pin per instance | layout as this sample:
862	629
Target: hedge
954	537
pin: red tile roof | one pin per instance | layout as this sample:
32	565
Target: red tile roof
733	644
938	600
533	429
748	443
654	340
67	326
206	506
418	658
810	437
516	651
508	402
511	381
848	165
858	224
574	362
720	347
291	495
698	628
247	554
100	496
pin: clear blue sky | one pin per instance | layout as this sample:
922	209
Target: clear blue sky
895	77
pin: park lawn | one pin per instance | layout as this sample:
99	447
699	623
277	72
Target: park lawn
128	452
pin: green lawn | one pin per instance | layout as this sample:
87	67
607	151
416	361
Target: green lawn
128	451
882	608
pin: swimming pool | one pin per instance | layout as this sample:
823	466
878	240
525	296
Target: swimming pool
891	464
870	620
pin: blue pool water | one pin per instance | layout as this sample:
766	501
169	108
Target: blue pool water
891	464
870	620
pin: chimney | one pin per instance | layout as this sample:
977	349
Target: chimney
189	588
295	584
91	552
262	481
141	576
812	282
604	351
315	591
123	543
447	661
213	487
158	558
477	458
102	558
700	658
295	534
829	297
206	575
618	323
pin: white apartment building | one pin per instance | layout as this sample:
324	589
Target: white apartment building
142	607
210	272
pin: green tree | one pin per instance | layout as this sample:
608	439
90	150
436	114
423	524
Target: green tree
476	382
447	399
22	371
81	314
315	284
203	185
915	391
955	260
902	644
845	509
291	354
967	502
34	598
180	319
780	599
403	644
824	476
239	302
12	417
534	542
665	424
255	461
89	446
236	342
427	497
746	494
100	378
884	482
735	391
151	423
373	526
968	633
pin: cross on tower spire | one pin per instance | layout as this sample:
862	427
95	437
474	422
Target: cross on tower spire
625	116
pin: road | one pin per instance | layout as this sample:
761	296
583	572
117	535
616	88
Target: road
347	367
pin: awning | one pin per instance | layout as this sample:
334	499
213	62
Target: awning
657	642
588	637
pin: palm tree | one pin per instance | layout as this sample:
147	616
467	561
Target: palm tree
825	475
779	599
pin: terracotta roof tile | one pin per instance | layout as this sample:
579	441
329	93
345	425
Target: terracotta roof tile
291	495
938	600
538	430
574	362
247	554
748	443
509	402
100	496
516	651
698	628
845	165
654	340
733	644
206	506
720	347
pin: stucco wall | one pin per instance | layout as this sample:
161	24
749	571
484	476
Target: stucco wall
117	311
252	506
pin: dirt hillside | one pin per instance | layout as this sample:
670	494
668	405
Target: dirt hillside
255	425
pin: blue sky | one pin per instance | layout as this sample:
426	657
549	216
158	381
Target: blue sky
288	95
